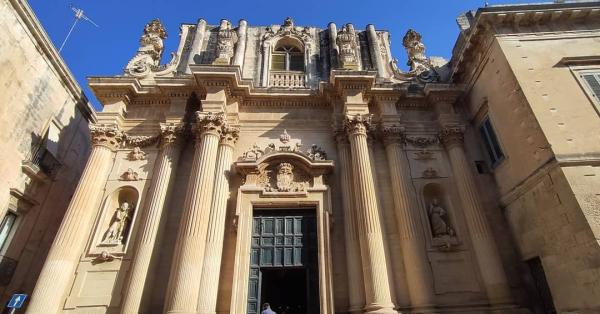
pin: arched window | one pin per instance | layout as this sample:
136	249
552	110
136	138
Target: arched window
287	58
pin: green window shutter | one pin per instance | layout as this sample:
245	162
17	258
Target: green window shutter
278	62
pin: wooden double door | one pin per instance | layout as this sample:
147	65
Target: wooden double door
283	262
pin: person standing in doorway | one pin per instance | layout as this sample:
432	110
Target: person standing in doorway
267	309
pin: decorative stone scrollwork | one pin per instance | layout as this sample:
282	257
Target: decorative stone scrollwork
424	154
346	41
430	173
230	135
119	225
209	122
255	152
169	133
140	140
129	175
226	39
452	135
147	58
136	154
107	135
288	29
392	134
421	141
286	179
358	123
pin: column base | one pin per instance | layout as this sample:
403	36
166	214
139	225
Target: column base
380	309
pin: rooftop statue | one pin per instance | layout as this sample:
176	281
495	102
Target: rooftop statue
149	53
420	66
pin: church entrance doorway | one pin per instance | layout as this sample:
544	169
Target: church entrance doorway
283	262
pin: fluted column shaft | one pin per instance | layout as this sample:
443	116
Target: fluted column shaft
140	272
356	293
486	251
211	268
377	287
410	231
53	282
186	269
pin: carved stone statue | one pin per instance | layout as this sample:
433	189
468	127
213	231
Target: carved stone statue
346	41
416	53
439	220
151	48
118	224
225	42
285	177
137	154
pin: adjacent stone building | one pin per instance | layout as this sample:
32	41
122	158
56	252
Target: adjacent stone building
302	167
43	147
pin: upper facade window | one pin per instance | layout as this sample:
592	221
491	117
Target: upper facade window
287	58
491	142
592	80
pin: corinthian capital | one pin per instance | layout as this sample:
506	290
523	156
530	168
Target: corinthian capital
450	135
357	124
170	133
230	135
392	134
210	123
107	135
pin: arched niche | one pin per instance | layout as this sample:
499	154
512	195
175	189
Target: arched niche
440	216
115	222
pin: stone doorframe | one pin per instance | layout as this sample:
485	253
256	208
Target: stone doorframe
287	180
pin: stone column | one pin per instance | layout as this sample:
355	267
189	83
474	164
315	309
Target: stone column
410	230
238	58
211	268
333	47
486	251
140	270
377	287
197	42
186	270
356	293
55	278
375	52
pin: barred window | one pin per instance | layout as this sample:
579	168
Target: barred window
287	58
593	83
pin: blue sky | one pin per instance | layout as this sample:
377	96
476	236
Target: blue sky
102	51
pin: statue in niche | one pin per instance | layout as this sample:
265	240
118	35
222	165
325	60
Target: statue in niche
118	225
439	220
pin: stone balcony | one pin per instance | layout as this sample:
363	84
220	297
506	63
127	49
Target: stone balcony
290	79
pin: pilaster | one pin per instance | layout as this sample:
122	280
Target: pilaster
55	278
186	270
486	251
375	272
140	270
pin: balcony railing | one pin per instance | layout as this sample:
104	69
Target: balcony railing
287	79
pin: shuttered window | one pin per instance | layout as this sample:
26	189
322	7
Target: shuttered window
593	82
491	142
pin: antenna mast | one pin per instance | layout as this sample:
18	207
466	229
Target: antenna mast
78	16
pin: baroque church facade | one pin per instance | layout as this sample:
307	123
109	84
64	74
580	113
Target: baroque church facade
302	167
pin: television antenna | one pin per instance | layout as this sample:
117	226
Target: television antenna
78	16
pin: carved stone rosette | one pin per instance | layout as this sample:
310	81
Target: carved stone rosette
358	123
107	135
209	122
392	134
170	133
452	135
230	135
